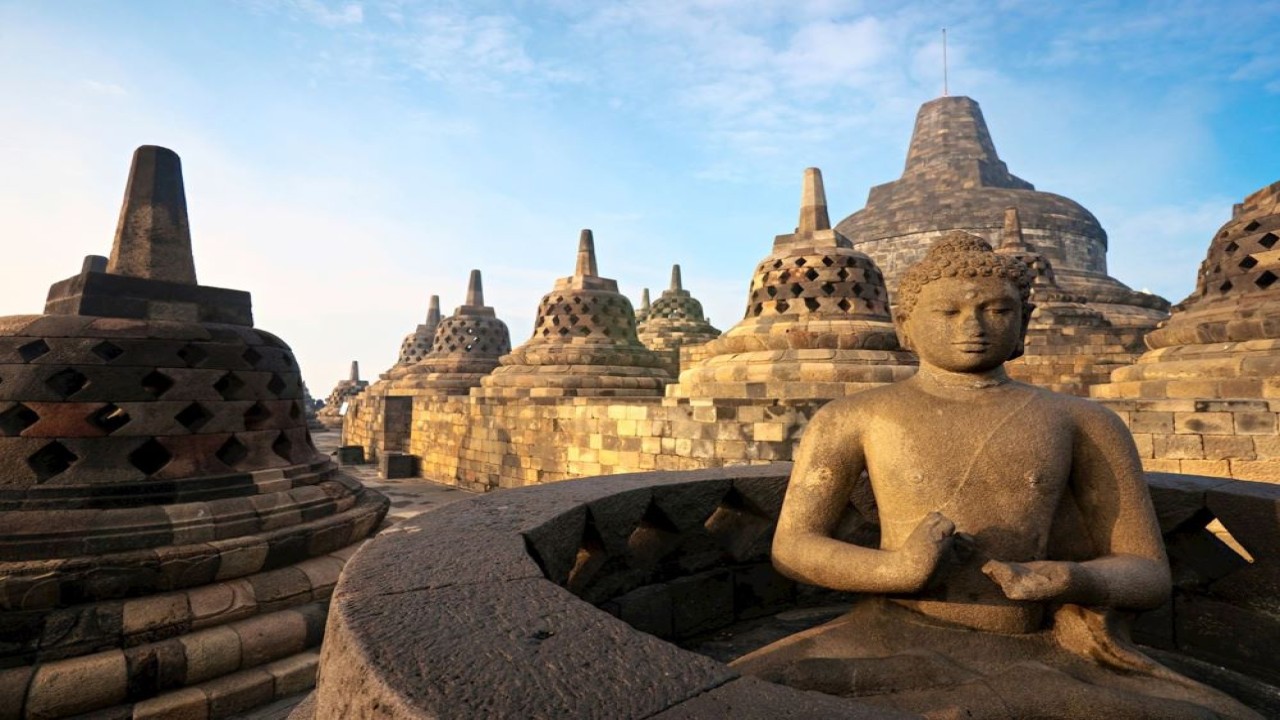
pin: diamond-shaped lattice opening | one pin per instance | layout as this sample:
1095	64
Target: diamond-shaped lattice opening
287	359
827	288
150	457
844	304
1248	262
1266	280
1268	241
16	419
811	274
590	558
777	264
797	289
813	304
757	309
193	417
283	447
251	356
1253	225
256	417
843	274
800	262
826	260
229	386
33	350
276	385
295	411
109	418
193	355
66	382
1230	247
653	539
781	306
156	383
232	452
107	350
50	460
1224	287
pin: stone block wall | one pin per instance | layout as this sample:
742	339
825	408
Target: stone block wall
1065	250
1071	359
1219	438
482	445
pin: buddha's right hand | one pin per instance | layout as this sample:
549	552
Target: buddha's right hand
918	557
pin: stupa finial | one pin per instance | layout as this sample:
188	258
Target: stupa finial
675	277
433	310
586	255
475	290
153	237
355	371
813	204
1011	234
644	299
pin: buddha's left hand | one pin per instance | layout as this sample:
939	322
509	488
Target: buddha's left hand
1037	580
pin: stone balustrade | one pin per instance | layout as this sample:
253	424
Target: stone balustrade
566	600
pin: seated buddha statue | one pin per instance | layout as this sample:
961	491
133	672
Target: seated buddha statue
1015	523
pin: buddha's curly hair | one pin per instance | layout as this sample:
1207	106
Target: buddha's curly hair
959	254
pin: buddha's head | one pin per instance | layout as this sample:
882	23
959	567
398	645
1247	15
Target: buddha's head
964	307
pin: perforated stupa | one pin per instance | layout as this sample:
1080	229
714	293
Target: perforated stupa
171	535
466	347
817	321
584	343
1205	398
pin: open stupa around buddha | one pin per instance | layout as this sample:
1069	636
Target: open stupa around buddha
169	534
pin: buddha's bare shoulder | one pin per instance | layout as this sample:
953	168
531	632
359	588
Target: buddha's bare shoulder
861	405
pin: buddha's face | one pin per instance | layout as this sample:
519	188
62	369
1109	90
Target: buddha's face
968	325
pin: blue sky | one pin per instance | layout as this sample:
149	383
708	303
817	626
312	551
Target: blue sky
345	159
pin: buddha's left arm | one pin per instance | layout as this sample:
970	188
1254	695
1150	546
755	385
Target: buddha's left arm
1130	570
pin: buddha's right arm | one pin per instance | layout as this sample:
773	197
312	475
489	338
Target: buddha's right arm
827	463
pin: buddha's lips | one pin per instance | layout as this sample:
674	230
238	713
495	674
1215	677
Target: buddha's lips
973	346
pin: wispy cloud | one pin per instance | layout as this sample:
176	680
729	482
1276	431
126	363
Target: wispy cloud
105	88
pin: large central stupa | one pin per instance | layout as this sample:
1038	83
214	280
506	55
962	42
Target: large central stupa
954	180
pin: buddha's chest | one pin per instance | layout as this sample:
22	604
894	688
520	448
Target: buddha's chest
989	472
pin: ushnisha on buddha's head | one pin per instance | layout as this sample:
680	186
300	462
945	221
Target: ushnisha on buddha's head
964	307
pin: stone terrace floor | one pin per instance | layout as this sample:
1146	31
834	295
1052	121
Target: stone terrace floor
409	496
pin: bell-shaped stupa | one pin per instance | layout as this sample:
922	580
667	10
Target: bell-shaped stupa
346	390
171	536
954	180
817	324
466	347
584	343
674	322
418	343
1205	398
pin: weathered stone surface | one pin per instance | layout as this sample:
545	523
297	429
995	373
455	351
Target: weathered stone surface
1212	361
150	444
973	598
153	239
749	698
584	344
817	321
954	180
